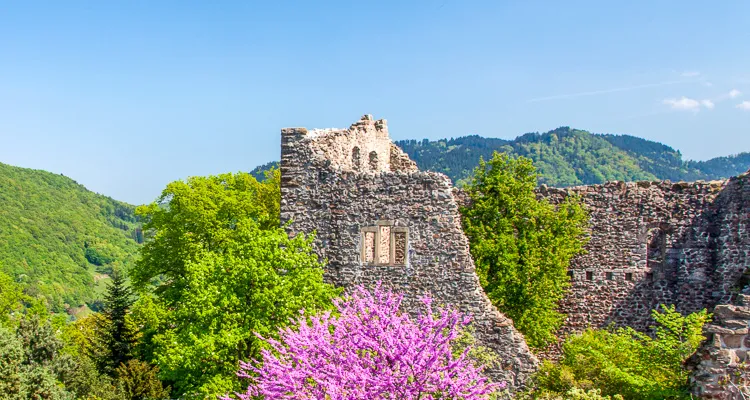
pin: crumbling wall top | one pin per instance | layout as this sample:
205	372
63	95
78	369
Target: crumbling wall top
364	147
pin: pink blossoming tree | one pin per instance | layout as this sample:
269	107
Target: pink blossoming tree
370	351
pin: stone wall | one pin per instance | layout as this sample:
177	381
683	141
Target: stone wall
390	222
720	367
657	243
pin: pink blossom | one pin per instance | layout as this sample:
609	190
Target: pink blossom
371	350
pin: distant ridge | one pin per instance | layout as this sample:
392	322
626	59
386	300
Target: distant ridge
568	157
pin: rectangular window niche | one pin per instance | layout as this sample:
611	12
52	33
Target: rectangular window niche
385	244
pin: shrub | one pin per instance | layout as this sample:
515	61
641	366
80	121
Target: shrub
627	362
138	380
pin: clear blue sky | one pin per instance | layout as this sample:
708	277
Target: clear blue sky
126	96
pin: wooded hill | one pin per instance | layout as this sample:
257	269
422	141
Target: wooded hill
567	157
58	239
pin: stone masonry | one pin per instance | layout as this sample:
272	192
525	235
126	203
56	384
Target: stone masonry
655	243
720	368
378	218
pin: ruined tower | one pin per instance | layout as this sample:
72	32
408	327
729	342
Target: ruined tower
378	218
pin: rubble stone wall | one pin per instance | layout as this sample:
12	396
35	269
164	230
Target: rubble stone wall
655	243
719	369
351	209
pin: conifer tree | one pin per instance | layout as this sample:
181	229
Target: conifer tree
118	337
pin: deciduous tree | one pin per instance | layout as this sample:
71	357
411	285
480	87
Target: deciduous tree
522	245
627	362
222	268
370	350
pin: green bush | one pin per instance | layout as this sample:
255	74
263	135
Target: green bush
627	362
572	394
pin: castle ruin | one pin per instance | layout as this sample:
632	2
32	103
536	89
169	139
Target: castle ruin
652	243
378	218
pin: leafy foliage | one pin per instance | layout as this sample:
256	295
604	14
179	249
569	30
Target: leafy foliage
221	268
32	365
11	357
43	357
260	171
521	245
627	362
572	394
11	296
566	157
138	380
55	234
372	350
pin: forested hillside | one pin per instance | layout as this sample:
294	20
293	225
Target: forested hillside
57	238
566	157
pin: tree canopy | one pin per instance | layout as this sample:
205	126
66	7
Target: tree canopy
222	269
522	246
629	363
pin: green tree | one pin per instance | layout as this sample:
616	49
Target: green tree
137	380
118	334
223	270
522	245
11	295
627	362
44	369
11	357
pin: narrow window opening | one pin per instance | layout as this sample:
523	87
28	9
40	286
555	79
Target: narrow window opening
399	248
589	275
610	276
628	276
369	247
356	159
384	246
656	248
373	160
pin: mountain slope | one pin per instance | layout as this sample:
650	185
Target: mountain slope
56	236
566	157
